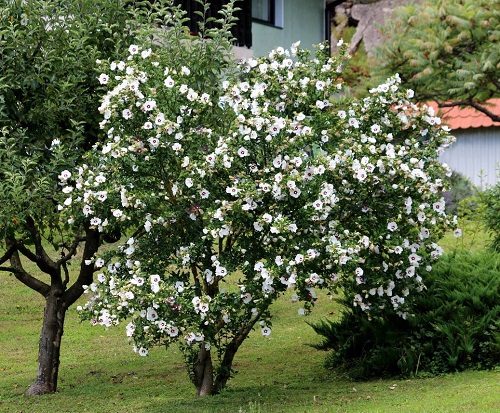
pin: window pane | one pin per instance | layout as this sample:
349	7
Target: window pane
261	10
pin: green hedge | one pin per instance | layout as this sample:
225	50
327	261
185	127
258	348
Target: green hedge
456	326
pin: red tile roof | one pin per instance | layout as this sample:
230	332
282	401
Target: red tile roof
467	117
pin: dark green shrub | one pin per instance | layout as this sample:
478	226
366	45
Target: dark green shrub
456	326
460	187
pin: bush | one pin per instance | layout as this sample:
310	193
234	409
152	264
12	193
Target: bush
455	327
460	188
491	199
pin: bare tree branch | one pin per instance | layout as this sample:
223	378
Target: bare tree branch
71	251
7	255
473	104
22	275
44	262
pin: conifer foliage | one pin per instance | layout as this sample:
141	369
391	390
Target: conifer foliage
448	51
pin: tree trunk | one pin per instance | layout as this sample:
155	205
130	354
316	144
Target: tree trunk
224	373
203	373
50	344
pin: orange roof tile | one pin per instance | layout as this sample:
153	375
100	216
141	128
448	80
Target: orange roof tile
467	117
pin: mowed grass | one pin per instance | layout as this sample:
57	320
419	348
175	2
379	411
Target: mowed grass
100	373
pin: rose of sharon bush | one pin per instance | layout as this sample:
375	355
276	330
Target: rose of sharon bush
262	184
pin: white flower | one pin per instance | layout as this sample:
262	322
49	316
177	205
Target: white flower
151	314
361	175
143	351
87	210
318	205
146	53
392	226
246	298
242	152
102	196
149	105
126	113
266	331
154	142
439	206
64	175
133	49
414	259
295	192
220	271
192	95
95	221
354	123
169	82
160	119
172	331
103	78
267	218
130	329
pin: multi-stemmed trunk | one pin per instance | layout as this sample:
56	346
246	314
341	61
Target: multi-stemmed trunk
205	381
203	372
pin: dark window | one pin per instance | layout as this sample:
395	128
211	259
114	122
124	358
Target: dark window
242	30
268	12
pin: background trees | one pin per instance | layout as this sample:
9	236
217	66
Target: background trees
447	51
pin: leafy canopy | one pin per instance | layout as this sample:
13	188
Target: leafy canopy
49	96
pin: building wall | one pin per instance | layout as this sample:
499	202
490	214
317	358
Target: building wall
476	154
303	20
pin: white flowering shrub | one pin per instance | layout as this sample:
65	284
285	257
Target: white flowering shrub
249	187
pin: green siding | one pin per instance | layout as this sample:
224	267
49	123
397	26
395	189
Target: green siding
304	21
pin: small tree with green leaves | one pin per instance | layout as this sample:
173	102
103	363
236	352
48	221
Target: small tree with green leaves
49	94
448	51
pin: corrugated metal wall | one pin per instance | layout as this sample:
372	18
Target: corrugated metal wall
476	154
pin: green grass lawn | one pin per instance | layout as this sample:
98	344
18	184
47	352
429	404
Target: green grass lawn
100	373
474	237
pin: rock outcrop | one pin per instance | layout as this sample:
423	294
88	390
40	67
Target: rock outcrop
368	19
